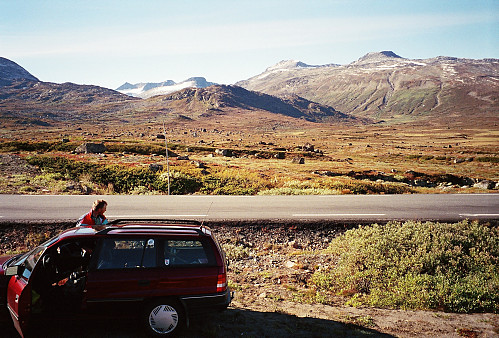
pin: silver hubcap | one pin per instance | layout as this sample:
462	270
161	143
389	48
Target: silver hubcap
163	319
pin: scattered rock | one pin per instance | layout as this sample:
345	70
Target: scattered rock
223	152
155	167
308	147
298	160
485	184
199	164
91	148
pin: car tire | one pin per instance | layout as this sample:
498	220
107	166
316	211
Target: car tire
164	318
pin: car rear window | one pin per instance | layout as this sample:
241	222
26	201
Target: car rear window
127	253
188	252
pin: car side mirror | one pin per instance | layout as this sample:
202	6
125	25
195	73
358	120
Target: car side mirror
12	270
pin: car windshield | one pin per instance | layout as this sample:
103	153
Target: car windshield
33	255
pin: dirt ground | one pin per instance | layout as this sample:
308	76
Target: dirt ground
270	269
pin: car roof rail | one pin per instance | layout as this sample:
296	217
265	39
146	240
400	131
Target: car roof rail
199	231
129	224
154	220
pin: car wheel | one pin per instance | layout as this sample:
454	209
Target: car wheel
164	318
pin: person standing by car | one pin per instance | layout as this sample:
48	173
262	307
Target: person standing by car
95	218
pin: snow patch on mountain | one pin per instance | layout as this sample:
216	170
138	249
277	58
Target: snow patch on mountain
148	89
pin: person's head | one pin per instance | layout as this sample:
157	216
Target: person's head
99	207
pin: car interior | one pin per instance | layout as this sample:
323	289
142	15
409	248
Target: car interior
59	281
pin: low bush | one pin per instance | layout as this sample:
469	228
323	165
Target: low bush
488	159
117	178
414	265
14	146
137	148
229	181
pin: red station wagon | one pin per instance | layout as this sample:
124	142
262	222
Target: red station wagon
162	272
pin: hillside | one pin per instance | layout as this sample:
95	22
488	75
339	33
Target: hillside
385	86
44	103
24	100
9	70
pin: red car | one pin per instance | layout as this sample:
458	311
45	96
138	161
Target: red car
162	272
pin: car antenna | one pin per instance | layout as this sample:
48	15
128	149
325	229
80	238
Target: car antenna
167	161
202	222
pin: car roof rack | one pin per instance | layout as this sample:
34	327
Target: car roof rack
175	225
154	220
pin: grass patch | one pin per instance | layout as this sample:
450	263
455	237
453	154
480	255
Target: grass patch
414	265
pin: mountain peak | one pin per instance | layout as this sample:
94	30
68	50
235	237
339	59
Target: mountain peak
9	70
373	57
288	64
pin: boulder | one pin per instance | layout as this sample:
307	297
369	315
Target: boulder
155	167
91	148
223	152
199	164
298	160
308	147
280	155
485	184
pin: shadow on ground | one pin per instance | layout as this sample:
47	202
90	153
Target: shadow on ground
230	323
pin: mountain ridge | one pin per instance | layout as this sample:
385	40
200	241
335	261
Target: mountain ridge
33	102
148	89
9	70
217	97
385	86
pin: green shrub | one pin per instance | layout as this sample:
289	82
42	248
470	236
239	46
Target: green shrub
236	252
137	148
118	178
488	159
414	265
14	146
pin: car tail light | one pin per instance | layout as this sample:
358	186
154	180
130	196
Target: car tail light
221	282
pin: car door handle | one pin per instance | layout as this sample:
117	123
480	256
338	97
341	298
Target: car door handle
144	282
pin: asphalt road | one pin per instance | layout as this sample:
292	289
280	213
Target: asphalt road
440	207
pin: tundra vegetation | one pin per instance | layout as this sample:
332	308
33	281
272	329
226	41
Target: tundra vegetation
414	265
348	160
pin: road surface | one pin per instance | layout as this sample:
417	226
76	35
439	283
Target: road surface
439	207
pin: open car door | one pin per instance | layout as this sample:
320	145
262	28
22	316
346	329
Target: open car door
19	302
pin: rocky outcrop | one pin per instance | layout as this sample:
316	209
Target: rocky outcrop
91	148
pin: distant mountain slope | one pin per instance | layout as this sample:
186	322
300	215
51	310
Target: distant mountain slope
221	97
384	85
10	70
148	89
32	102
35	102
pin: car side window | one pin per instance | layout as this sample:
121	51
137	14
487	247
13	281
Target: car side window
127	253
187	252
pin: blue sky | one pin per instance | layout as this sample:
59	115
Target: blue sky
107	43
